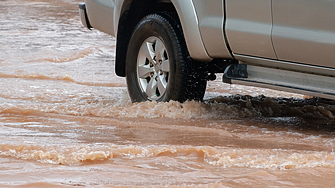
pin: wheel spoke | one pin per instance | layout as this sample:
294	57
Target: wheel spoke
148	51
151	88
145	71
165	67
159	49
161	85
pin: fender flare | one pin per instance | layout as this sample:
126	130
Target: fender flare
190	24
189	21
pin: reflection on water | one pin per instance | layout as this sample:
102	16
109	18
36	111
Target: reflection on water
66	119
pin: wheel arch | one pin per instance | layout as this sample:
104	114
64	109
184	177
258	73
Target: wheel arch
132	11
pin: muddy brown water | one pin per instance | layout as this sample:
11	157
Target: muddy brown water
66	119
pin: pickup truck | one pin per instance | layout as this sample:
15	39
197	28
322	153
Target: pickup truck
169	49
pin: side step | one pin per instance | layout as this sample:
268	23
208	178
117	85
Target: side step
303	83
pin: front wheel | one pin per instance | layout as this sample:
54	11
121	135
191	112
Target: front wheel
158	66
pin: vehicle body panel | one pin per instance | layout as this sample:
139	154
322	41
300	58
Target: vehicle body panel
100	14
248	27
211	23
304	31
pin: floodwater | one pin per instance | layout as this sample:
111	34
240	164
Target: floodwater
66	119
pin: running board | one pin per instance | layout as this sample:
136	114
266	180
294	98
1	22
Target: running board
283	80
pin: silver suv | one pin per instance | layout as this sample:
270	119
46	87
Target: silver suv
169	49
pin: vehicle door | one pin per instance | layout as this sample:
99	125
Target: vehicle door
248	27
304	31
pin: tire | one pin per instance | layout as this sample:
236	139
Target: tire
158	65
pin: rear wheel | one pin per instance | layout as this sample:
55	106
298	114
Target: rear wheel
158	66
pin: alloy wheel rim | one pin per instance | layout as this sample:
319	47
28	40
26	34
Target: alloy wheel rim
153	68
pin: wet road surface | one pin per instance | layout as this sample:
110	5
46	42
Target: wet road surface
66	119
